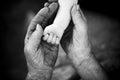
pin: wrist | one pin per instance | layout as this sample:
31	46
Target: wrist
37	71
33	68
39	75
79	56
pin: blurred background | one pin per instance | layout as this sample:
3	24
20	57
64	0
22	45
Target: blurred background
104	31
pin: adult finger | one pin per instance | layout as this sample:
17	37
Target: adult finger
77	15
46	4
37	19
52	10
42	18
35	38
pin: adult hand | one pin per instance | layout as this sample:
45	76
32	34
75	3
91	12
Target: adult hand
40	55
76	44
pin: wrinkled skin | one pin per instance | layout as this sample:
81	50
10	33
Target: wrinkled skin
41	56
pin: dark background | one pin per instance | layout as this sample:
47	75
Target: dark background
12	16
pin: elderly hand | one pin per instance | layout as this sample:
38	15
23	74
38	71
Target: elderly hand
40	55
76	44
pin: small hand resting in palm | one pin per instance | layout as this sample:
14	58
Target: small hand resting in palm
53	33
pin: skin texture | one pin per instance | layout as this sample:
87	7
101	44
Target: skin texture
40	55
85	63
53	33
78	48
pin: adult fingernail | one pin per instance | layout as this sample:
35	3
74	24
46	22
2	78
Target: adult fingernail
37	27
74	9
78	7
46	4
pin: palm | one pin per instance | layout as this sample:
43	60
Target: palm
42	57
39	54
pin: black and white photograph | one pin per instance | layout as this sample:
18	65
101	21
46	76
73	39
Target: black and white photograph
60	39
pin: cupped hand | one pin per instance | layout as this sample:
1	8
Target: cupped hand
39	54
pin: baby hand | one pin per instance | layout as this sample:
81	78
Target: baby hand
53	34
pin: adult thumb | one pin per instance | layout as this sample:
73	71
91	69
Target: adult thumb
35	38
